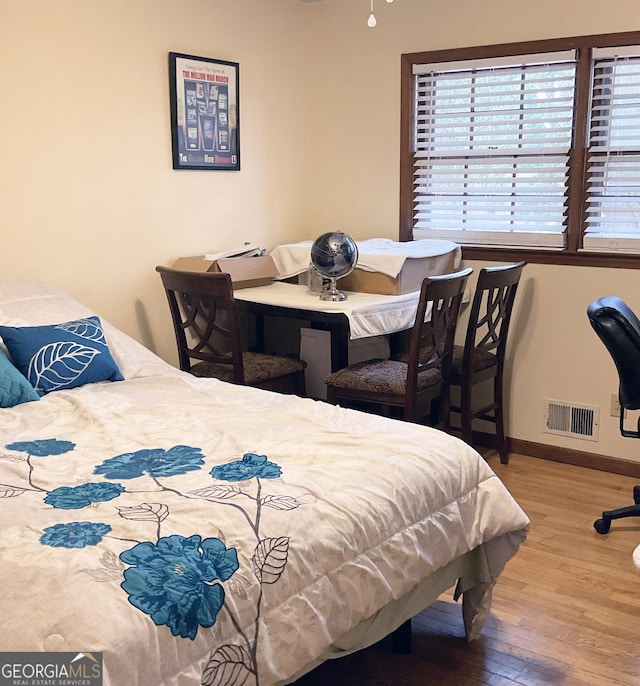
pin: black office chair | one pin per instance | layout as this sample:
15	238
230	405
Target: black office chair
619	330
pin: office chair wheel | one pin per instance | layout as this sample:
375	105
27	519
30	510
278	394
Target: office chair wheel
602	526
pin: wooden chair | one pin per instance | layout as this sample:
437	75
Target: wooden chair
419	385
483	353
206	327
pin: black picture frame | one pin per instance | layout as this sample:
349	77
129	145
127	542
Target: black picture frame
205	112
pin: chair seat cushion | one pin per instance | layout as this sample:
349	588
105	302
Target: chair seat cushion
257	367
481	360
380	376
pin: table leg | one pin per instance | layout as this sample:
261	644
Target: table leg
339	342
252	331
259	333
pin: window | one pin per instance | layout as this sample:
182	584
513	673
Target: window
613	161
532	147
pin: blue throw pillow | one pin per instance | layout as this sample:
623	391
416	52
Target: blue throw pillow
61	355
14	388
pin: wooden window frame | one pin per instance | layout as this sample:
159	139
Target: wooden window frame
571	254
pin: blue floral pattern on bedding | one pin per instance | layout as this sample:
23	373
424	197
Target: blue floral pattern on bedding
74	534
173	580
76	497
177	460
249	467
42	448
177	580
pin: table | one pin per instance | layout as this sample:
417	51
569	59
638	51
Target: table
361	315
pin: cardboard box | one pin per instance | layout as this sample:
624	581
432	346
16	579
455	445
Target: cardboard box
315	350
408	280
245	272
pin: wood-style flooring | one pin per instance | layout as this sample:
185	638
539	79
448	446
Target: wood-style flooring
565	611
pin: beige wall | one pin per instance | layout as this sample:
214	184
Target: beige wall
89	201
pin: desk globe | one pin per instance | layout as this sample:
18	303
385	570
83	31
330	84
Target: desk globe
334	254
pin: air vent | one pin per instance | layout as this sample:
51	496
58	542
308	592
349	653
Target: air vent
571	419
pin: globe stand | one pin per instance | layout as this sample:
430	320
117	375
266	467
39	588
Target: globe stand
330	290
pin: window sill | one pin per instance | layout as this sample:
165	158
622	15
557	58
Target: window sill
581	259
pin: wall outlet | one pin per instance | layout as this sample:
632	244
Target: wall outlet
615	405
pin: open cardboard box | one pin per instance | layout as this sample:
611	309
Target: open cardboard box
408	280
245	272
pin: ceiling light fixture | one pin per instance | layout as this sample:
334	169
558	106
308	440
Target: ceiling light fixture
371	22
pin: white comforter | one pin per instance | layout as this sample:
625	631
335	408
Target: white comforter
195	531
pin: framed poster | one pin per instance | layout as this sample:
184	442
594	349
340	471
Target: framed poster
205	112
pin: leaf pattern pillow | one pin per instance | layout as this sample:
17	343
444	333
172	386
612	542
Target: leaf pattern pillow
63	355
14	388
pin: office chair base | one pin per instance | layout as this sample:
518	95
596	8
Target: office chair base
603	524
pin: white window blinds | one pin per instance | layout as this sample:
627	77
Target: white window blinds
613	162
491	150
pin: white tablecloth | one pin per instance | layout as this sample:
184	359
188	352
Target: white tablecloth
369	314
376	254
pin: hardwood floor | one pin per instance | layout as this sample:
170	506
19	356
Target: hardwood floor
565	611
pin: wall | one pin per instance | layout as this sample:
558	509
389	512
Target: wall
89	201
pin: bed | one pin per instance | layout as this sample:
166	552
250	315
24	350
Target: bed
191	531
